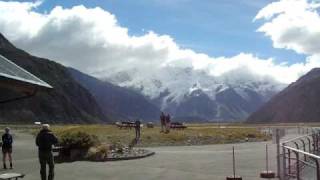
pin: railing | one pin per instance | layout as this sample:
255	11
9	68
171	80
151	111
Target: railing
299	158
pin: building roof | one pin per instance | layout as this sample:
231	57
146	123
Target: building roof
14	77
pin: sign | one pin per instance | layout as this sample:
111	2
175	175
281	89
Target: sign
37	123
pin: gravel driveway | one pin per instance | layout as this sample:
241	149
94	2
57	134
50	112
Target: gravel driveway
211	162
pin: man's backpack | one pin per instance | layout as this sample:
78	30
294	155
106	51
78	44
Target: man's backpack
6	140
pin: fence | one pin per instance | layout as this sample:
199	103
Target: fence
299	158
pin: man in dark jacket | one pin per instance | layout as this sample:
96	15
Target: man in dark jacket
162	122
45	139
7	147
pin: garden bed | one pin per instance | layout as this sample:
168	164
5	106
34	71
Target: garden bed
81	146
113	155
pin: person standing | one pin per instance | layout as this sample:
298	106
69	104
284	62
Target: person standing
138	129
168	121
44	140
162	122
7	141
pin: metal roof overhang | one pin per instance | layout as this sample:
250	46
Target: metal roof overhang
20	86
28	86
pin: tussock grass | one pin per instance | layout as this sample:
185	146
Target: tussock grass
193	135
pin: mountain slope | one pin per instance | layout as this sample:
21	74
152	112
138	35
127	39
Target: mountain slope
299	102
119	102
68	102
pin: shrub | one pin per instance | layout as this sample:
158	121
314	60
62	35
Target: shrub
78	140
251	136
98	153
117	147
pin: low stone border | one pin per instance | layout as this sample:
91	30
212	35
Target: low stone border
113	156
147	154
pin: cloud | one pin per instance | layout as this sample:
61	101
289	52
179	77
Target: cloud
292	24
91	40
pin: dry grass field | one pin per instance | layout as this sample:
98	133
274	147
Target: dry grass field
194	135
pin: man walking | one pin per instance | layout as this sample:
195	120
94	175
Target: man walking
45	139
162	121
168	122
7	148
138	129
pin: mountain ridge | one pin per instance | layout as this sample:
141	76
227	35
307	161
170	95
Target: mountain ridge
296	103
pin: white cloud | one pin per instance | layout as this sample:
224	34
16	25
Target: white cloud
91	39
292	24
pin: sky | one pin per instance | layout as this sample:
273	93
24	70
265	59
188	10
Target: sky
217	28
156	39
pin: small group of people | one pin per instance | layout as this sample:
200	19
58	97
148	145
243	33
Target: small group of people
44	140
165	121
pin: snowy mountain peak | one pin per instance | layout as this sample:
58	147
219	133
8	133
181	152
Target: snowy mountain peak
176	89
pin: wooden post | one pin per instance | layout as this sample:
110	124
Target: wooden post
234	162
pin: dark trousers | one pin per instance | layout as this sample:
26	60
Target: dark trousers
44	159
137	133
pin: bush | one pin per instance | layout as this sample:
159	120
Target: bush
117	147
78	140
251	136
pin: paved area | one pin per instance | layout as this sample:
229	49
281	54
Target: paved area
308	173
212	162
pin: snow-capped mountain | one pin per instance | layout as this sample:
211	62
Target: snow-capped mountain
189	94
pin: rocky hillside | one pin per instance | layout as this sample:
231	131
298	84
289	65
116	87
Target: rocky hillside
118	102
68	102
299	102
